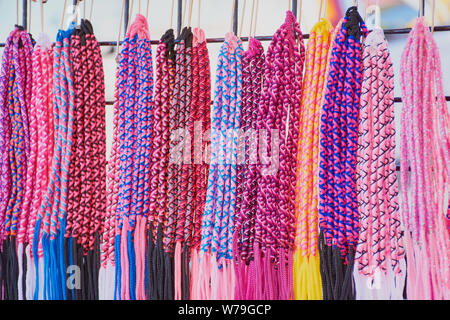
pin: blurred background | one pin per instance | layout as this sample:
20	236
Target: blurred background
216	18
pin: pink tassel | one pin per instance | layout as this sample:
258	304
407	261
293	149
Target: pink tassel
242	280
214	278
229	278
140	257
258	274
267	276
222	283
195	268
204	277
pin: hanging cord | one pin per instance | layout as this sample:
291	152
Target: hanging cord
171	14
183	19
146	10
198	13
320	9
91	10
131	15
323	13
63	14
42	15
251	22
120	30
242	19
300	7
232	14
17	9
191	4
256	18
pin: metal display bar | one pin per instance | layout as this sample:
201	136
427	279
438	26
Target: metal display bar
269	38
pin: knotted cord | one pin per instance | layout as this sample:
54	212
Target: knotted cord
380	253
278	117
307	281
216	279
134	125
424	167
338	211
15	93
246	206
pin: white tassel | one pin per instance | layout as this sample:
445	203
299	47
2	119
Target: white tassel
101	283
106	278
41	279
380	286
399	282
30	275
20	262
110	278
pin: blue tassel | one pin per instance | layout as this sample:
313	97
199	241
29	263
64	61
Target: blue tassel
117	283
53	284
45	245
37	228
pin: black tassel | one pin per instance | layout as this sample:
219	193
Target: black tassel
24	278
96	266
2	271
185	272
337	277
12	269
160	256
168	283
